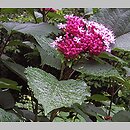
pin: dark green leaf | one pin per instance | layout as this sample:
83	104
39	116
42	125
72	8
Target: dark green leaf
52	93
8	117
58	119
121	116
16	68
8	10
89	110
31	12
112	57
28	115
118	20
122	42
6	99
99	97
96	69
41	29
80	119
127	70
40	33
7	83
49	60
54	15
79	111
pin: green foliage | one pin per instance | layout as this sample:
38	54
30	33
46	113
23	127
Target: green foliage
118	20
40	33
121	116
16	68
86	110
7	83
96	69
8	117
52	93
112	57
99	97
90	89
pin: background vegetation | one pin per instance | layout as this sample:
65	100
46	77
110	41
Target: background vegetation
35	85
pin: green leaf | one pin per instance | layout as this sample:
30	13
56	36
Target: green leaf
42	29
39	32
6	99
31	12
121	116
7	83
96	69
58	119
16	68
127	70
112	57
79	111
122	42
8	10
47	59
8	117
91	109
86	110
99	97
80	118
54	15
52	93
118	20
14	43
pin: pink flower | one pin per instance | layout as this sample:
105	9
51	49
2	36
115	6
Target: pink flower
76	39
61	26
68	16
58	39
82	36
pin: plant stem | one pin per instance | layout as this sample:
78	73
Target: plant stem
44	15
71	74
62	71
113	94
35	18
48	11
53	114
36	110
109	113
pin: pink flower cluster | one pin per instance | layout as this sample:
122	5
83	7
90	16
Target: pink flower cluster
81	36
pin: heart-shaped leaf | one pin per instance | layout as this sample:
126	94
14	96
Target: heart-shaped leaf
53	94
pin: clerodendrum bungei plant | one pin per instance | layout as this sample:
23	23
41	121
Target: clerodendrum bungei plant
85	66
81	36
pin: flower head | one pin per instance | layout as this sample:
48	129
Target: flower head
82	36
